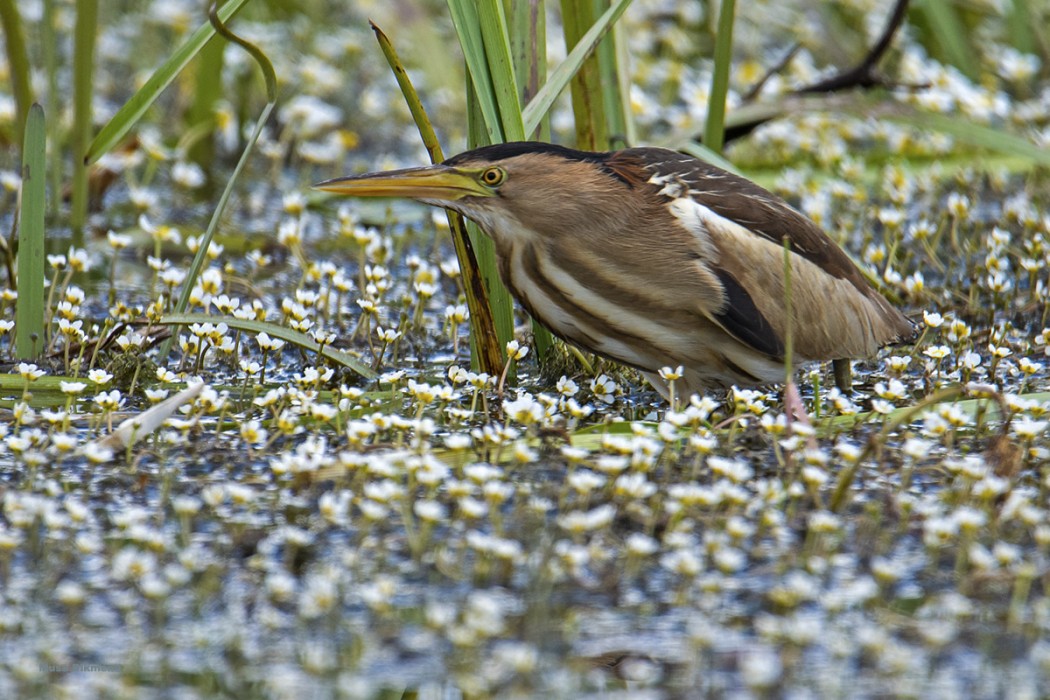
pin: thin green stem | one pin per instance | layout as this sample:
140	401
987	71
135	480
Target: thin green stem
714	127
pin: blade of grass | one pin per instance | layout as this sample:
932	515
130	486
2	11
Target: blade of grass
699	150
714	125
588	100
950	33
616	87
496	41
144	424
904	416
484	126
13	384
499	297
789	340
527	27
49	47
271	100
408	90
468	29
488	354
751	112
29	307
1019	20
540	105
974	134
485	340
17	61
50	387
993	139
286	334
84	32
208	90
623	59
128	115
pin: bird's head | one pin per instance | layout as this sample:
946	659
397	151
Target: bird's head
507	188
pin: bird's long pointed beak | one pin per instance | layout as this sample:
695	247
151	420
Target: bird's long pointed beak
434	182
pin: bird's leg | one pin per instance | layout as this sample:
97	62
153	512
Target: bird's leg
794	408
843	375
796	414
503	378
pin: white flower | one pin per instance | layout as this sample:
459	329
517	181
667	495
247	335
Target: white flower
188	175
109	400
97	454
29	372
387	335
100	376
118	241
641	545
430	511
1028	428
933	320
524	409
515	351
937	352
579	521
671	374
604	388
566	387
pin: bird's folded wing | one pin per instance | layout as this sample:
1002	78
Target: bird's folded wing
741	318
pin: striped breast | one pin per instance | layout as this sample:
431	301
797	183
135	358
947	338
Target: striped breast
622	319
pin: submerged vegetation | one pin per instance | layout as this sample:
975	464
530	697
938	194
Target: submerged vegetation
301	485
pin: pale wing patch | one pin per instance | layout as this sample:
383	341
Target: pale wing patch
694	218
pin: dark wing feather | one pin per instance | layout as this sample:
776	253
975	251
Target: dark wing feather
743	320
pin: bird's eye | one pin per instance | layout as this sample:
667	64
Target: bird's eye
493	177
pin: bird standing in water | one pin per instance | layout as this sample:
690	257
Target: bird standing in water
653	258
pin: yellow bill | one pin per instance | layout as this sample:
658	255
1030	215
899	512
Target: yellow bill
434	182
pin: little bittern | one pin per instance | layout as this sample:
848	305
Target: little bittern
653	258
